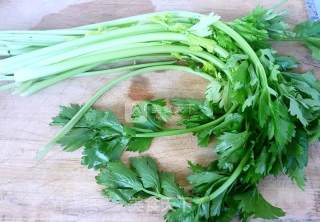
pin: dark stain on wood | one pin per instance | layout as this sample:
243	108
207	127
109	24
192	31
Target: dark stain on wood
93	12
140	89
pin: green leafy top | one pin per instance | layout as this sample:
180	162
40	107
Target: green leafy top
308	33
104	138
142	180
260	25
253	204
151	114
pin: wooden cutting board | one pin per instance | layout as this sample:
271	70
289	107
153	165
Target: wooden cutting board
59	188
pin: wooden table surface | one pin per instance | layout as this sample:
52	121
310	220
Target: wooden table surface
59	188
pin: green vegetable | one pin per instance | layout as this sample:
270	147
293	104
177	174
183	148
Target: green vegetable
125	185
262	113
309	34
253	204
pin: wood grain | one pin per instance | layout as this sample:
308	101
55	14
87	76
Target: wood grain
59	188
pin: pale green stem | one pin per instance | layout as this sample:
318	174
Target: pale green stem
111	46
9	65
48	82
87	60
236	173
